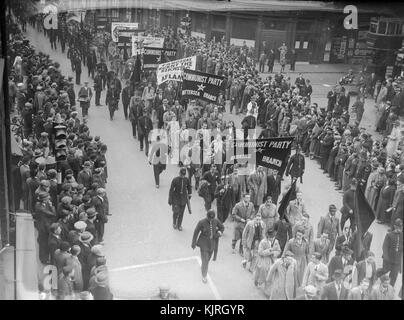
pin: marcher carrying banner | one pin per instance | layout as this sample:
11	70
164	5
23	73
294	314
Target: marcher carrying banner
364	217
201	85
173	70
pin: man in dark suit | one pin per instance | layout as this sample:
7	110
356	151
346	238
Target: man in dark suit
54	241
213	179
365	269
335	290
85	176
145	125
100	204
274	186
300	81
343	262
296	165
208	231
97	88
179	195
345	239
393	251
126	95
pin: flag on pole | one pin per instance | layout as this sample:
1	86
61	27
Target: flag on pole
285	201
136	70
364	217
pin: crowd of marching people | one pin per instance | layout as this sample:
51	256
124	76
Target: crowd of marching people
285	256
276	237
67	198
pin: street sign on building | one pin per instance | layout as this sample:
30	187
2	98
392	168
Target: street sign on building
123	29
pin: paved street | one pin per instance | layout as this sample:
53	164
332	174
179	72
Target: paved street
142	249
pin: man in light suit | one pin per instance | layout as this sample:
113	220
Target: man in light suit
329	224
316	273
360	292
242	212
335	290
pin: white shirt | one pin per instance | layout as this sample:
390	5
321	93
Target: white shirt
369	270
338	288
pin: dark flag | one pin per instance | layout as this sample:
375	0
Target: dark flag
205	86
285	201
364	216
136	70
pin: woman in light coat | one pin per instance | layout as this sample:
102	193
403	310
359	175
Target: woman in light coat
281	280
300	249
268	251
381	95
394	139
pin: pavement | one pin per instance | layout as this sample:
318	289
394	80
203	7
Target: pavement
142	249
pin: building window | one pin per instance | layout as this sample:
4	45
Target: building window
391	28
243	28
199	21
382	27
219	22
115	13
274	25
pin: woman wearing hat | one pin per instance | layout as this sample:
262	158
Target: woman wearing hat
101	290
394	137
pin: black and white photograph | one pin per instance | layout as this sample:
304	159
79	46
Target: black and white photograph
201	151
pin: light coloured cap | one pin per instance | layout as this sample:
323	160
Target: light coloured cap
80	225
310	290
